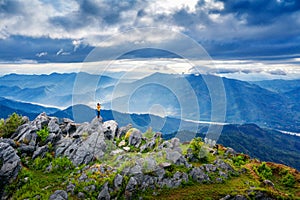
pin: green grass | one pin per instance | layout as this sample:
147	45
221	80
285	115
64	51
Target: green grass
234	186
37	184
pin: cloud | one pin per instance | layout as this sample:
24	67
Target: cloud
226	28
138	68
41	54
261	12
59	52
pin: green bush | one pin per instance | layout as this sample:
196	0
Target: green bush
42	163
288	180
198	150
9	126
62	164
263	171
196	144
239	160
43	133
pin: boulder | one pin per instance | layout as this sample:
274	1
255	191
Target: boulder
11	142
88	128
59	195
71	188
89	145
221	165
132	184
40	121
230	152
198	175
84	151
110	129
62	145
137	169
68	127
10	165
28	149
173	156
40	152
175	142
104	194
53	125
165	145
25	120
118	181
135	138
149	164
210	168
22	131
148	146
123	130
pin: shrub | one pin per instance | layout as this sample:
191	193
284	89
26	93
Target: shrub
239	160
42	163
199	151
61	164
288	180
263	171
196	144
8	127
43	134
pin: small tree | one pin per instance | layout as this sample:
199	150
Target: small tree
264	171
43	133
288	180
8	127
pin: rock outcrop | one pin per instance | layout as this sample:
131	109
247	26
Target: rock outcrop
10	165
150	164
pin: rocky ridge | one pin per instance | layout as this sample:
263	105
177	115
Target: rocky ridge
111	162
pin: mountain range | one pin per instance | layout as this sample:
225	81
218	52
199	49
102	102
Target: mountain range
272	104
270	145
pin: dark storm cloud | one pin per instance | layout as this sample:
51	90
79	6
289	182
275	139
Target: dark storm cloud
260	12
235	29
18	48
100	13
10	7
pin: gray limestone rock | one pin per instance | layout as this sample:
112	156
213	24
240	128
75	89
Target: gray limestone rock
230	151
198	175
118	181
131	185
11	142
104	194
40	121
28	149
53	125
59	195
135	138
110	129
10	165
123	130
40	152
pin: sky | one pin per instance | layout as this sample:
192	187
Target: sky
245	38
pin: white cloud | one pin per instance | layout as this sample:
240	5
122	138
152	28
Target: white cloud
138	68
41	54
59	52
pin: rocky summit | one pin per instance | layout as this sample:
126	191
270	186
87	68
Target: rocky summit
51	158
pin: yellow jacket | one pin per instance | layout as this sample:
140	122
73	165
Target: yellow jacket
98	107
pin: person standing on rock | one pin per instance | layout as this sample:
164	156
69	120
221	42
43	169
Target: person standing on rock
98	110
